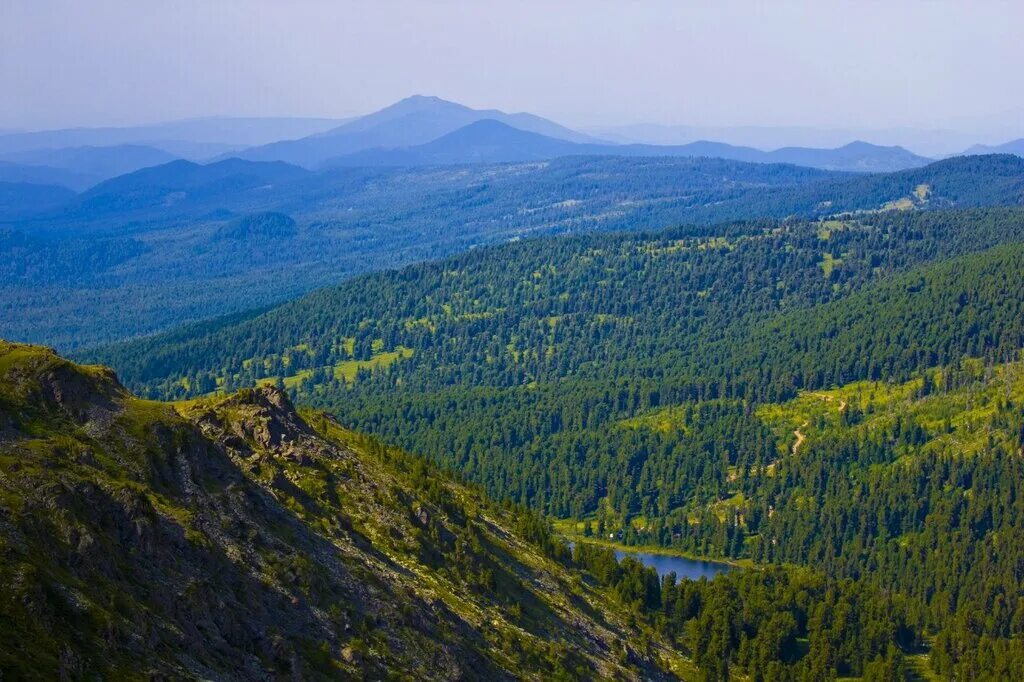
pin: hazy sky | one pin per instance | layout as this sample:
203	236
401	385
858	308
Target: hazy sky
828	64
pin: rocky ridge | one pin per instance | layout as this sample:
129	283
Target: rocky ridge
234	537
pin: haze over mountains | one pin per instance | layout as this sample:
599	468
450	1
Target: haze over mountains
114	213
1012	147
490	141
412	121
194	138
416	131
82	167
79	158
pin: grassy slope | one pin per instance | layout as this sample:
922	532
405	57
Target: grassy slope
959	420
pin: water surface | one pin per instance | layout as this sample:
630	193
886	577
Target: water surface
692	569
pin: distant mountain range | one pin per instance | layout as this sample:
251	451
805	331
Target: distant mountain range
492	141
41	175
414	132
419	131
410	122
79	158
198	138
1011	147
933	143
82	167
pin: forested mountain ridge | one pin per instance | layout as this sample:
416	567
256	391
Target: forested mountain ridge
174	267
639	288
677	389
514	364
235	538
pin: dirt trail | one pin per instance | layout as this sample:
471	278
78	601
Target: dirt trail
800	438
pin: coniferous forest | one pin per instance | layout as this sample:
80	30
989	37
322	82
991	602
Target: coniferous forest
687	344
839	394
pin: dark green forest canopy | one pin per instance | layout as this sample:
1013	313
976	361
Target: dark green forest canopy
654	385
590	307
511	363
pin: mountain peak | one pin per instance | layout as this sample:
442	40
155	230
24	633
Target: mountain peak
415	120
422	99
422	102
861	145
492	126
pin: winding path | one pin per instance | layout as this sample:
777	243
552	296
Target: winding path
800	437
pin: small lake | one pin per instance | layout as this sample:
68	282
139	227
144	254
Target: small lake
692	569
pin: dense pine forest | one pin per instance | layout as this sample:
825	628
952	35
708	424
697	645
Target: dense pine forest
511	341
725	391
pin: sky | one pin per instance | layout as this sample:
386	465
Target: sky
823	64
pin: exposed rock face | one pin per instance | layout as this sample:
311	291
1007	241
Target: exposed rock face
231	538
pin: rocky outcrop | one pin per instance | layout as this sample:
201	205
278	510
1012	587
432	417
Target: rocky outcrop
230	538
